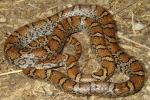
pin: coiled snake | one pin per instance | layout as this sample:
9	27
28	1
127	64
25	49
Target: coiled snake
37	49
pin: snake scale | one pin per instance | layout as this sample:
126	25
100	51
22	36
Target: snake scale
37	49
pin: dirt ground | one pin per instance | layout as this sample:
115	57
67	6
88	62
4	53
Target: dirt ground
133	23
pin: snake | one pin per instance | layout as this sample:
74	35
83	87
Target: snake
37	48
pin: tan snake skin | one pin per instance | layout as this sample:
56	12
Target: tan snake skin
37	49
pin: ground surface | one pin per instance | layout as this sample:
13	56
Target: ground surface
132	18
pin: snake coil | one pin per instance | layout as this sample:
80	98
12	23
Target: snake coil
37	49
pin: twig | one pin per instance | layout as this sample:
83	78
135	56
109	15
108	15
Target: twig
133	25
129	47
122	10
12	72
141	45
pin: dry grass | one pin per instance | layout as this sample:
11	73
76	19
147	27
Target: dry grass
132	18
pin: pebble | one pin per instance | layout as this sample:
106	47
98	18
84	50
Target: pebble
138	26
69	5
149	54
2	19
148	88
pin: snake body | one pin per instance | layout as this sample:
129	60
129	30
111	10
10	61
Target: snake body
37	49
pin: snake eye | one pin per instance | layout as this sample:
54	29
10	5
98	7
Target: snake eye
21	62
